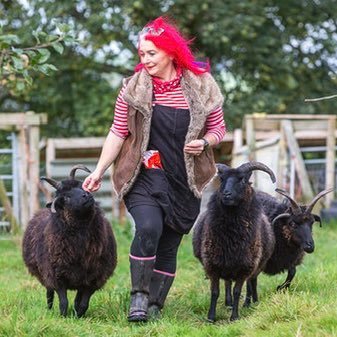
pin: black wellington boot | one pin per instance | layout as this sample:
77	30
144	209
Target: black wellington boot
141	272
159	288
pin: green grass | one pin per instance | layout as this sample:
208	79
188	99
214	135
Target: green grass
309	308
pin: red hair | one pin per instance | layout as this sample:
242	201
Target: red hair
174	44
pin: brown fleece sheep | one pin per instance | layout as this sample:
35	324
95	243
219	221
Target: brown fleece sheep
292	226
233	238
70	245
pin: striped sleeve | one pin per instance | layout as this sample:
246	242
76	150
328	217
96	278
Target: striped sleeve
215	124
120	123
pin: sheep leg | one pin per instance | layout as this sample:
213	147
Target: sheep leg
254	289
229	299
249	293
78	299
236	292
214	298
287	282
82	303
63	300
50	297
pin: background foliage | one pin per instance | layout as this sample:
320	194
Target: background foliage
267	55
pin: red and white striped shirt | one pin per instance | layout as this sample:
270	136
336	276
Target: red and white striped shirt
174	98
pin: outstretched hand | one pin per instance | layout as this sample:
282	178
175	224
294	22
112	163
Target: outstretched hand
92	182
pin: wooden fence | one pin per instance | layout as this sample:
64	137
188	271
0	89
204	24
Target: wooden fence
27	126
276	140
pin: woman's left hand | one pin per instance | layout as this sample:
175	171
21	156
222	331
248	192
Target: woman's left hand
195	147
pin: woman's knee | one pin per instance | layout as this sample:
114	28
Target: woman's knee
147	238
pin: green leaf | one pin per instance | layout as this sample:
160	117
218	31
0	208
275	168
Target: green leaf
20	86
46	69
64	28
36	35
17	51
58	47
17	63
10	39
31	53
27	77
52	37
44	55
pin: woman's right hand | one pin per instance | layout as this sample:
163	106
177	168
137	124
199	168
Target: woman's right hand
92	182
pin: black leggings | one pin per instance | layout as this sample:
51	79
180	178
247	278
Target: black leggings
154	237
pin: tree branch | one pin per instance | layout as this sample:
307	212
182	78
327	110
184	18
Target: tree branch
319	99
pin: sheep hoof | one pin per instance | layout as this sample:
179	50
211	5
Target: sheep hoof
154	312
281	287
211	320
137	318
234	317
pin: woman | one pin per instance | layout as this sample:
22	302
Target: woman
167	116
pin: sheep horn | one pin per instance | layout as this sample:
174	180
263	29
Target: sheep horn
317	197
281	216
51	181
254	165
78	167
222	168
295	206
52	206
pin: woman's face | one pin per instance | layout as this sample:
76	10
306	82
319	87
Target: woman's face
157	62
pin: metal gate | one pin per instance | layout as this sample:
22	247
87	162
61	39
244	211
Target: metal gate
9	175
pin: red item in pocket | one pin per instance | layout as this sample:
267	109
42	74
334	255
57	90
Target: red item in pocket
151	159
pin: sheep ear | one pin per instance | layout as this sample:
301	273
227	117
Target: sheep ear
222	168
318	219
56	205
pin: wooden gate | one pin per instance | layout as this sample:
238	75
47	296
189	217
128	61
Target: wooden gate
279	141
26	127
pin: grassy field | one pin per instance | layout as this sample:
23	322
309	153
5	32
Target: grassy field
308	309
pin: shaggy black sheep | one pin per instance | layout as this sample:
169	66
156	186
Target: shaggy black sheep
292	226
70	245
233	238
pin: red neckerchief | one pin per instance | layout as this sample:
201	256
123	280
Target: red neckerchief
160	87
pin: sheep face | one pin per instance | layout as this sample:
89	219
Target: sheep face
299	221
298	230
234	187
74	200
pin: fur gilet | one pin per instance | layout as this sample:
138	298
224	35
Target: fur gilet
202	95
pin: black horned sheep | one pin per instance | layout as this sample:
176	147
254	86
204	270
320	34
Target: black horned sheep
233	238
70	245
292	226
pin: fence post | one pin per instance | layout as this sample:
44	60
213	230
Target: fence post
8	208
296	155
23	173
34	170
330	159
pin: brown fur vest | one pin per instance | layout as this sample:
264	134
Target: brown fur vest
202	95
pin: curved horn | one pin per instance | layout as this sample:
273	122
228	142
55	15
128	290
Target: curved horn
255	165
317	197
77	167
222	167
296	207
52	207
281	216
50	181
